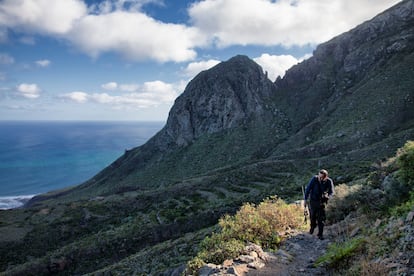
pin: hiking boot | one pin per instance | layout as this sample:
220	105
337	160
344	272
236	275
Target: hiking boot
321	237
311	230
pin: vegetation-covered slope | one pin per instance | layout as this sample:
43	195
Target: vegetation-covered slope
370	230
233	136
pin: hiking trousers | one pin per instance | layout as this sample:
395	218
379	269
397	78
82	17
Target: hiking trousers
317	216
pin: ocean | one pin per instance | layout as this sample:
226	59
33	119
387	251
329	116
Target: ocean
41	156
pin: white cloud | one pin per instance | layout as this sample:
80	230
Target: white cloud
284	22
41	16
110	86
110	26
276	65
43	63
76	96
6	59
129	87
31	91
133	99
120	26
135	36
149	94
194	68
159	91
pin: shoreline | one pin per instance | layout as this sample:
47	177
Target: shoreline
13	202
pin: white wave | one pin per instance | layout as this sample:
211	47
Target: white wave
11	202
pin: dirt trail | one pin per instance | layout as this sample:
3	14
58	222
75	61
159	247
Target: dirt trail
295	257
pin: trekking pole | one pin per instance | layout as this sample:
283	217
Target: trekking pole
305	208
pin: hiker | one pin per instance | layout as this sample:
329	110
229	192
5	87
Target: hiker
319	190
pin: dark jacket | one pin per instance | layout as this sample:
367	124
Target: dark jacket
316	189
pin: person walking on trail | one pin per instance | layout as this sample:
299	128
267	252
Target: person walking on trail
319	189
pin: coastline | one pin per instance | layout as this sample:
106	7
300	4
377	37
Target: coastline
13	202
37	157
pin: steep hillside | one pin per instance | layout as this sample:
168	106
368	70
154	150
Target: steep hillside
233	136
356	90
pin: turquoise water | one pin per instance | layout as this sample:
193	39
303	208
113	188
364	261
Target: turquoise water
37	157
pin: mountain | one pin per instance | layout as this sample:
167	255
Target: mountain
355	90
224	109
233	136
331	103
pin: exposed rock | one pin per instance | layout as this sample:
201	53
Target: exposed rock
208	269
410	216
228	95
245	259
256	264
254	248
355	232
335	72
284	256
255	259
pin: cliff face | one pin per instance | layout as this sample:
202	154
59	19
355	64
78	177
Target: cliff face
229	95
340	64
356	89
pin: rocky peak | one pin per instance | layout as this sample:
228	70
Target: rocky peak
386	34
338	65
225	96
354	51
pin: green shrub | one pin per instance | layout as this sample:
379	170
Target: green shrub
216	249
403	208
389	188
337	253
264	224
193	265
405	161
400	188
349	199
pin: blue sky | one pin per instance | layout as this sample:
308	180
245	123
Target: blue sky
130	59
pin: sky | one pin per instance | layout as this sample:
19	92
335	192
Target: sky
130	59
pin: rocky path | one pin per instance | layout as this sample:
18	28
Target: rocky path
295	257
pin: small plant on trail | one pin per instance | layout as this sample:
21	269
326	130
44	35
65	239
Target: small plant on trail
337	253
373	268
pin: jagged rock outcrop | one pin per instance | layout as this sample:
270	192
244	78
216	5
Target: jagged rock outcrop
353	53
354	90
228	95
